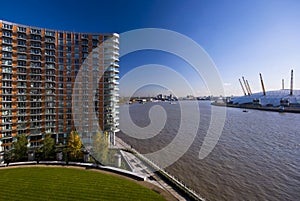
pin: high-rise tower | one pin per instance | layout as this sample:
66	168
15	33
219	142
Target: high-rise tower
38	69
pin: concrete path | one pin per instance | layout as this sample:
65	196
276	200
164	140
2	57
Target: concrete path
139	167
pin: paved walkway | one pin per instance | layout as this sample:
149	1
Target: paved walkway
139	167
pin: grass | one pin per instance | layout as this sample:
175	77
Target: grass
51	183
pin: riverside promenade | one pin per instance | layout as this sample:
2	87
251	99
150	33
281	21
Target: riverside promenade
139	167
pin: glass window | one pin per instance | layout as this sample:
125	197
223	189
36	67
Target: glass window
6	33
7	48
7	26
7	40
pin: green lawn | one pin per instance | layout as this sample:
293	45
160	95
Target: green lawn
44	183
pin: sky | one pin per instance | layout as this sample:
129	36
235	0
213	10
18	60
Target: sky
243	38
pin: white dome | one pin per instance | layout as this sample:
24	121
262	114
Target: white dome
271	97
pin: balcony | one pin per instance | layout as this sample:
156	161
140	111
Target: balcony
7	48
21	29
50	47
7	62
35	39
21	126
7	26
109	58
112	69
21	43
50	66
36	65
36	52
35	132
50	33
50	40
36	45
21	72
7	41
35	31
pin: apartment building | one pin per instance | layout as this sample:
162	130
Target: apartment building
38	70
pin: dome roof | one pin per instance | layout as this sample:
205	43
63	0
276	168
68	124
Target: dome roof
271	97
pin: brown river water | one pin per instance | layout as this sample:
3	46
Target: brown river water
256	158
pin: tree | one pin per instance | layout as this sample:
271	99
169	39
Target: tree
100	148
7	157
48	147
19	152
74	146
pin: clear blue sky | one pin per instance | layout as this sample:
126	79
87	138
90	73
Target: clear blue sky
242	37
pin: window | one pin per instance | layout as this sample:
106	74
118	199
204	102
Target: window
35	44
35	31
21	36
49	40
50	59
50	33
21	43
50	46
22	57
35	51
7	33
7	40
21	63
21	49
85	42
6	55
35	37
35	64
49	52
7	83
35	58
7	48
22	29
69	48
7	62
7	26
95	43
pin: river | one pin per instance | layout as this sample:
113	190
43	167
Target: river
256	158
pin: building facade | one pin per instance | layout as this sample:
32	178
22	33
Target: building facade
38	71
